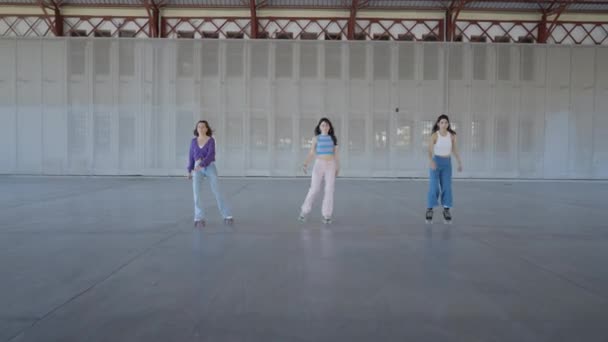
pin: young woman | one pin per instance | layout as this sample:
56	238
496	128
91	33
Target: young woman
202	164
327	165
441	148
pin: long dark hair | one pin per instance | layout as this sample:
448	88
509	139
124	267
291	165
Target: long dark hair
331	130
441	117
209	130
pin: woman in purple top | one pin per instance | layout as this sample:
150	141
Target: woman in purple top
202	162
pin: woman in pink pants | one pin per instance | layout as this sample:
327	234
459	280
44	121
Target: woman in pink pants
325	148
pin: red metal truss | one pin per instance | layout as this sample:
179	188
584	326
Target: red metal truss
395	28
547	29
439	5
204	25
90	24
554	9
24	26
580	33
495	29
253	12
298	26
452	13
354	6
46	6
153	9
556	13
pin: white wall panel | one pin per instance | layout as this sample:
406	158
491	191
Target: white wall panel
112	106
8	106
581	115
54	119
29	99
531	77
557	117
600	119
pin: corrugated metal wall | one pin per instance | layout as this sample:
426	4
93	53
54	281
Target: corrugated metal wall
128	106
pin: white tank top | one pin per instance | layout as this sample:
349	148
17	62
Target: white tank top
443	146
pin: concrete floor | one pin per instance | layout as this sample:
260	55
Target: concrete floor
117	259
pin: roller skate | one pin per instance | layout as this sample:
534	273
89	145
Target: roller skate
447	217
429	216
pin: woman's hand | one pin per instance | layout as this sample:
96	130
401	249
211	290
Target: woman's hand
198	166
189	176
433	165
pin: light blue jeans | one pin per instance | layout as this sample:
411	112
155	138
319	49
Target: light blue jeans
440	183
197	183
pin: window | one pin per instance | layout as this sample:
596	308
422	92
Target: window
185	34
480	55
382	36
284	35
185	59
502	39
527	63
126	34
78	33
234	35
456	62
126	55
406	37
431	62
333	61
407	61
210	35
308	60
358	61
360	36
308	36
478	39
403	134
504	63
102	33
333	36
283	61
526	39
77	57
102	55
478	136
431	37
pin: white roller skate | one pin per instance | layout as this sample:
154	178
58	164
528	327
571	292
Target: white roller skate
302	217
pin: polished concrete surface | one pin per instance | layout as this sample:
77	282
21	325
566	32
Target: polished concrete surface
117	259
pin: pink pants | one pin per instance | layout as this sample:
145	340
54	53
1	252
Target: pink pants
322	169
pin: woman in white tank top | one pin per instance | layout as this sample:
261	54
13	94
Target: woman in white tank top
441	148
